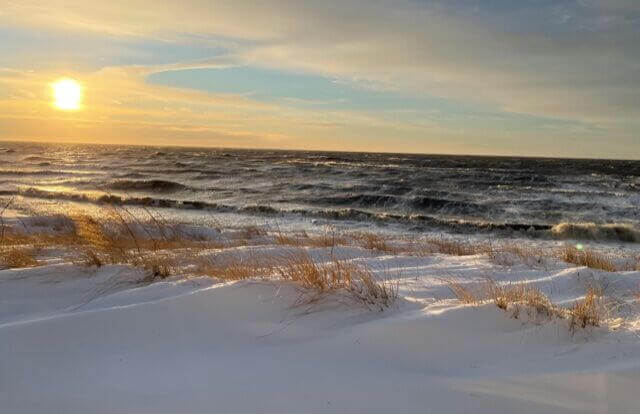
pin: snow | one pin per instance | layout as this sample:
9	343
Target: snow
87	340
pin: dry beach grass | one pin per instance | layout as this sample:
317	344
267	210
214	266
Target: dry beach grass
162	249
18	257
120	237
588	258
516	298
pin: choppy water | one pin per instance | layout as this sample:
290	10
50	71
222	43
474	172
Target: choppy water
414	192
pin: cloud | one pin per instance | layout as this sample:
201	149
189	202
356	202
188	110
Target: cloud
564	59
533	62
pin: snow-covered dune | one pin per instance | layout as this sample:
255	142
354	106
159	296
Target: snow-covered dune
78	340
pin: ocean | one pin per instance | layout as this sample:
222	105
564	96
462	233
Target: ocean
502	196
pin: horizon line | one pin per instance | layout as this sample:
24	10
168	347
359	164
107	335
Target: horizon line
30	141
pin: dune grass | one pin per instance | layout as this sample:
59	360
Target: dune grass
372	241
162	249
516	298
317	279
588	258
324	278
455	247
514	294
303	239
509	253
18	257
587	311
232	268
120	233
118	241
467	293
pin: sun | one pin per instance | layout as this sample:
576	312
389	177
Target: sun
67	94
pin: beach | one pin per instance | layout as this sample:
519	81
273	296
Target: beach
414	206
124	313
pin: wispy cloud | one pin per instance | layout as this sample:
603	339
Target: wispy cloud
569	60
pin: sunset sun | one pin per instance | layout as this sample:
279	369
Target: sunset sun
67	94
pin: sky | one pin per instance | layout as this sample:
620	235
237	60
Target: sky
529	77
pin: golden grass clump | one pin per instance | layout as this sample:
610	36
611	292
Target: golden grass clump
319	279
290	240
334	276
120	237
233	268
251	232
37	239
88	257
505	253
114	240
157	267
520	294
383	243
587	311
372	241
96	245
586	257
124	238
326	240
15	258
454	247
464	292
303	239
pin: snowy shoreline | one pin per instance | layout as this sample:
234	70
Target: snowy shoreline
77	338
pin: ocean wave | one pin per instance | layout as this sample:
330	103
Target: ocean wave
161	186
20	173
598	232
440	204
113	199
207	175
129	175
417	193
363	200
423	222
162	169
36	158
417	203
416	221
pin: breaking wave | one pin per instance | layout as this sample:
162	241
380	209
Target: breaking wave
417	203
592	231
413	192
160	186
21	173
418	221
